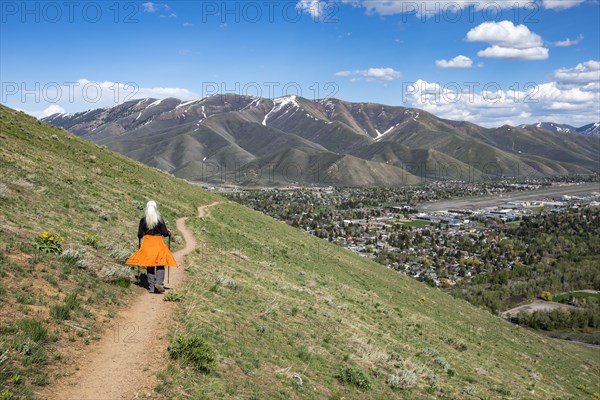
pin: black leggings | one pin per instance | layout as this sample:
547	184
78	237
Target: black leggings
160	276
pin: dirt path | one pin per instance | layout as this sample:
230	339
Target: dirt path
124	362
536	305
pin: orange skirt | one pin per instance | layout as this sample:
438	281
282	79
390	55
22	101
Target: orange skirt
152	253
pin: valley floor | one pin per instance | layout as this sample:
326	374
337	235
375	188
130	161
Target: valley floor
493	201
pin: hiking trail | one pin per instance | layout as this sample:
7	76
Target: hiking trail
124	362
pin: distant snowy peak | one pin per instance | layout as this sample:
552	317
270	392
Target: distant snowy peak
279	104
552	127
293	106
588	130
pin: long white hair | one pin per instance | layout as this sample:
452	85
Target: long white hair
151	214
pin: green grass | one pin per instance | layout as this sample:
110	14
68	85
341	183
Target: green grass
354	376
276	313
121	282
195	351
173	295
33	330
578	295
51	180
60	312
348	313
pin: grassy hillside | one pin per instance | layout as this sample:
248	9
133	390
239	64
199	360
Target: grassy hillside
52	306
286	314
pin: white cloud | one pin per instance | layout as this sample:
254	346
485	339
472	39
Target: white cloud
561	4
151	7
508	41
505	34
48	111
116	92
316	8
372	74
586	74
163	93
572	97
457	62
85	94
567	42
534	53
428	9
187	24
450	8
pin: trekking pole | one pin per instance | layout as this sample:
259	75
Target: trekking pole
139	245
169	268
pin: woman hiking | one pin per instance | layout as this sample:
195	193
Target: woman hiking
153	254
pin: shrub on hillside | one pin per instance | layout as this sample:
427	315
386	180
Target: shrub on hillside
354	376
118	253
117	274
226	282
62	312
4	191
173	296
90	240
403	380
70	257
546	296
195	351
72	254
33	330
49	242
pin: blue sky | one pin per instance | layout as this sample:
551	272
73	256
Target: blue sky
488	62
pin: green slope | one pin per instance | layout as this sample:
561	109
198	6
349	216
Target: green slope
284	311
51	180
277	304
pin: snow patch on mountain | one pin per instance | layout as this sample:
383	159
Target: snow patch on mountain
157	102
279	103
414	116
381	135
254	103
187	103
590	130
329	106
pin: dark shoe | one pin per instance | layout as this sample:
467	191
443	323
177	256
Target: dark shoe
159	288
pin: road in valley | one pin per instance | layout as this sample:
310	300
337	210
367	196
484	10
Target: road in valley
480	202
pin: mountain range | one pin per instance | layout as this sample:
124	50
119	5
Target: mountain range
587	130
292	140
